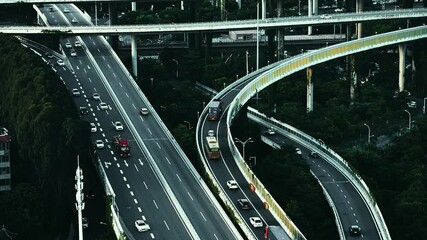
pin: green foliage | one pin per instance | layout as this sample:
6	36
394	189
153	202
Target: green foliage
287	177
42	119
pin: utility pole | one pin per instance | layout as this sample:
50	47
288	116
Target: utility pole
80	205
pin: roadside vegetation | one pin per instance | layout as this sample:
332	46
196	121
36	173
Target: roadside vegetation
47	135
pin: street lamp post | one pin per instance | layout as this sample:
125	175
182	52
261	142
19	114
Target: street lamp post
424	107
409	123
247	64
249	140
257	36
80	205
369	132
176	61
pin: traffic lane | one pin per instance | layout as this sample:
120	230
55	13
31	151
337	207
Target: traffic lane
203	229
202	215
118	73
351	206
156	208
226	169
125	162
125	178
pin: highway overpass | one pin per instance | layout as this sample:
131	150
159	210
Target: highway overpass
237	94
216	26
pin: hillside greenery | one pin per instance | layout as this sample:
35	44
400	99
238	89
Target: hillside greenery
46	135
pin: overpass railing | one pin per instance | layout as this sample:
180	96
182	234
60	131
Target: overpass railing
290	66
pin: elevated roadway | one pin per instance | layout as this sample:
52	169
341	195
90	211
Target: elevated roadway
343	197
218	26
157	182
238	93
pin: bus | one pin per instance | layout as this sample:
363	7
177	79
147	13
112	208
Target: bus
214	110
212	147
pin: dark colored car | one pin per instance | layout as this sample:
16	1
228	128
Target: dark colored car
314	154
83	110
355	230
244	203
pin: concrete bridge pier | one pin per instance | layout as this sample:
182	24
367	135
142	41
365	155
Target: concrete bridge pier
359	9
402	59
310	12
39	20
279	32
134	53
313	9
310	90
353	78
263	9
112	11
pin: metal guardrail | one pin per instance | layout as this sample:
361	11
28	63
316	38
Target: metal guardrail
298	63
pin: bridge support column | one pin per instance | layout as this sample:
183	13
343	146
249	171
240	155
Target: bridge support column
315	7
40	20
359	9
353	78
310	90
402	58
134	52
208	49
114	40
310	11
263	9
279	32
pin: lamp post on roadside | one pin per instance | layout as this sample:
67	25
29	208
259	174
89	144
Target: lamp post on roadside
257	36
249	140
369	132
424	107
409	123
176	61
247	64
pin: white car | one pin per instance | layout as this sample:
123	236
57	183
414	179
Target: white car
412	104
77	44
118	126
103	106
144	111
66	10
74	20
99	144
232	184
73	52
270	131
256	222
325	16
211	133
68	45
93	127
75	92
142	226
95	96
298	151
60	62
